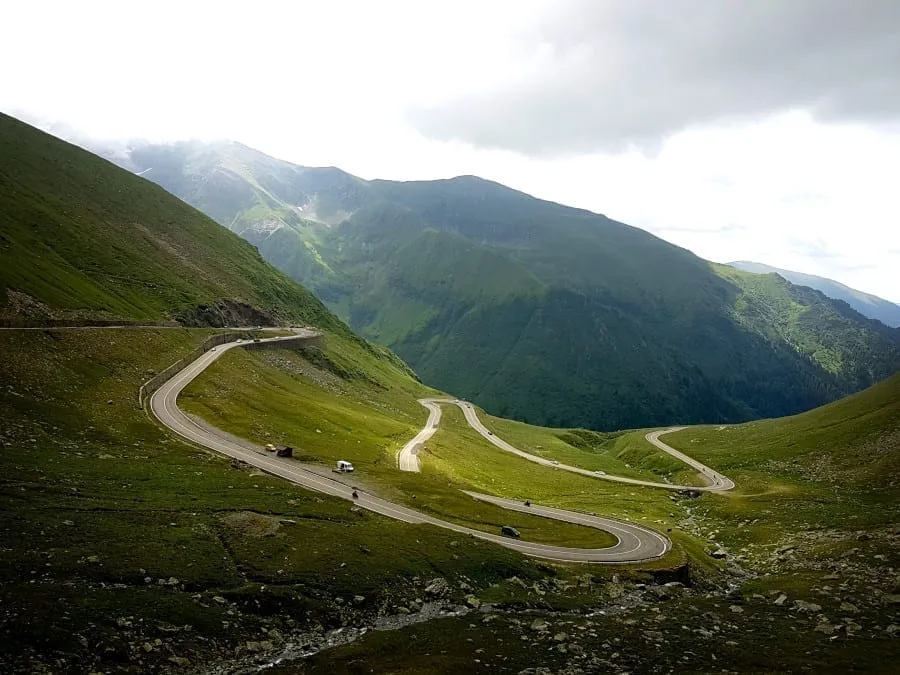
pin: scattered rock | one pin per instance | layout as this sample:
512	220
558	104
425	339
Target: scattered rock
734	596
736	609
539	625
179	661
849	607
825	628
804	606
437	587
287	521
780	599
473	602
147	647
219	599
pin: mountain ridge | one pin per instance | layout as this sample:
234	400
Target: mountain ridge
867	304
526	306
84	240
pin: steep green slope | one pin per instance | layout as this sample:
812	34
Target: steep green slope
83	239
853	442
538	311
865	303
812	518
116	534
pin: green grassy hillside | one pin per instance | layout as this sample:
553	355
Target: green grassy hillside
127	550
116	534
368	420
865	303
852	445
813	519
83	239
96	499
536	311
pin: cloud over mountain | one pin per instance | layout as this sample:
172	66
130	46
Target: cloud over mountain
599	75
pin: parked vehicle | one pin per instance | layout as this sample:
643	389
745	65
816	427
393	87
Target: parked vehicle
285	451
270	447
600	473
344	466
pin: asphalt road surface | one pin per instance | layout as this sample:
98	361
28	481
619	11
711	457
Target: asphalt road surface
634	543
408	457
716	482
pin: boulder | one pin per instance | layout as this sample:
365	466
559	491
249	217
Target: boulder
804	606
437	587
539	625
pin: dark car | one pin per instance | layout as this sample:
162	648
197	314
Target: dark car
509	531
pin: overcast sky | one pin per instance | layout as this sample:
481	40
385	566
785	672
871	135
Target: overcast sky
764	130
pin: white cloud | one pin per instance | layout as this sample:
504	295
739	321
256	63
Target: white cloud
332	83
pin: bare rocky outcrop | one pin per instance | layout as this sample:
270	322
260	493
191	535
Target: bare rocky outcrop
223	313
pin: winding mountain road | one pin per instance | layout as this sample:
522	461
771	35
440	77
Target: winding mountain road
409	461
408	457
634	543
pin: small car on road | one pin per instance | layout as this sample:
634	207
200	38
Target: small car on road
509	531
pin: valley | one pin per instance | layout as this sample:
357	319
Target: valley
149	355
567	318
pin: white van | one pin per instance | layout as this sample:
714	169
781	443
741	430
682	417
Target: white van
344	467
